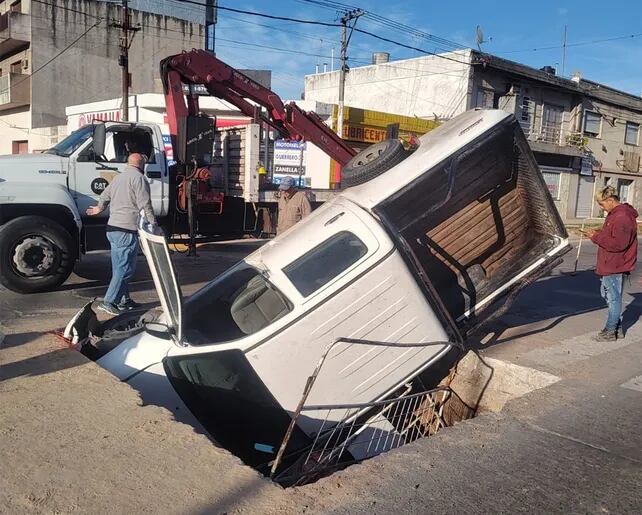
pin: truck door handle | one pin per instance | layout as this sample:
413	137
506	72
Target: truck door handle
154	175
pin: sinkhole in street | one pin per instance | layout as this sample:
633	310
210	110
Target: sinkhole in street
315	441
450	392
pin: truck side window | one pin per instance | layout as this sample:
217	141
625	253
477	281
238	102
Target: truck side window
235	305
124	143
325	262
119	144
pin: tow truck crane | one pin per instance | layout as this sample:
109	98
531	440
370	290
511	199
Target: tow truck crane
193	134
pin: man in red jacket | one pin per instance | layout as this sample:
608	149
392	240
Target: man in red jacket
617	254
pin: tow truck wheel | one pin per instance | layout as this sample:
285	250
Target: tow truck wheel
373	161
36	254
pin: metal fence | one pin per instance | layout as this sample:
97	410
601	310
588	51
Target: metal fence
378	427
347	433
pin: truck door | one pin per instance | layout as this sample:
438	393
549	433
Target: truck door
93	173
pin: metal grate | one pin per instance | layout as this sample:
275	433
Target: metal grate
364	431
347	433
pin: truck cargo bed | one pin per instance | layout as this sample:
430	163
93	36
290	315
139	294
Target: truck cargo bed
477	221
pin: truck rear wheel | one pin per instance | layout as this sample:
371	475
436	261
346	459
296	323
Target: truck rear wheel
36	254
373	161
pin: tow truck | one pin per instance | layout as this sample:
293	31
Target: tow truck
43	197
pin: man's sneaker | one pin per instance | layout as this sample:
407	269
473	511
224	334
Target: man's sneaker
108	307
128	305
606	336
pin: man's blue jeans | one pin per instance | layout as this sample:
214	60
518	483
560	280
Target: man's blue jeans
611	289
124	249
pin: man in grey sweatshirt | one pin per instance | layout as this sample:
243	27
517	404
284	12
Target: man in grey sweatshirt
126	196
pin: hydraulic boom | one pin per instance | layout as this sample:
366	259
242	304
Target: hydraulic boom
221	80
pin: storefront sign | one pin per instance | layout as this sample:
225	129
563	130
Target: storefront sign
587	166
103	116
289	157
169	150
364	134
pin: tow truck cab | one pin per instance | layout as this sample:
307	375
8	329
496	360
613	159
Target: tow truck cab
43	199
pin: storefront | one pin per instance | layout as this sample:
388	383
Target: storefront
363	127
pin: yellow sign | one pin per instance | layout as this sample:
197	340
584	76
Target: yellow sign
371	126
366	134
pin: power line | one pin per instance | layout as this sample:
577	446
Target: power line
55	56
583	43
264	15
388	23
64	8
302	34
275	49
410	47
326	24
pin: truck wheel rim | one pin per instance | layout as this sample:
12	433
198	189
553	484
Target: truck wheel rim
35	256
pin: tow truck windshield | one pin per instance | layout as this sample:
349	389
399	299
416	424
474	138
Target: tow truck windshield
71	143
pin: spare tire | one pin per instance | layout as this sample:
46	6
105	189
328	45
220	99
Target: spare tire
373	161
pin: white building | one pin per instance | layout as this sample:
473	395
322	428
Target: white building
583	134
425	87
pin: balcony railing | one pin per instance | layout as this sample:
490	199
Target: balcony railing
15	31
554	135
15	90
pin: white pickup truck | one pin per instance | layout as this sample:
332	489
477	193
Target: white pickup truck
43	198
349	306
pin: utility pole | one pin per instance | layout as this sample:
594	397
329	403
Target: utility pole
345	41
210	25
124	43
564	52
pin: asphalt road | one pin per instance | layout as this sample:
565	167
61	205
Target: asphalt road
91	277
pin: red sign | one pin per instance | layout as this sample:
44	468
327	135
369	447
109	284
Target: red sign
103	116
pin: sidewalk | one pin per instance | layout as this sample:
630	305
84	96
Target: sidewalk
574	447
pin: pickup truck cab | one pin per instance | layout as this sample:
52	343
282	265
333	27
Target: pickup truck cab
406	263
43	199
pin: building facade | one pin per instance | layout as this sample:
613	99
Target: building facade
59	53
584	135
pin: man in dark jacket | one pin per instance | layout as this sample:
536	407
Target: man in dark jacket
617	255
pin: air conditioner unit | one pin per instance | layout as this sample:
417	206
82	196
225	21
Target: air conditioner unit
25	64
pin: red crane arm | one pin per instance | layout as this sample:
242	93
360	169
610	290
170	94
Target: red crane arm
226	83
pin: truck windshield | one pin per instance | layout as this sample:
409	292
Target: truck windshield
238	303
71	143
229	399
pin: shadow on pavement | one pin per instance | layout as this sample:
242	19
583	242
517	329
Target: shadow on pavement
15	340
95	268
53	361
556	299
632	312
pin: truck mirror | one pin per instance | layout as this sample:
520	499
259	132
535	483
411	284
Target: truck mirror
99	140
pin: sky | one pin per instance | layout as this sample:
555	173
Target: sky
516	30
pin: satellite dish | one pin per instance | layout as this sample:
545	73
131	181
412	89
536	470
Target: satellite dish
480	37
